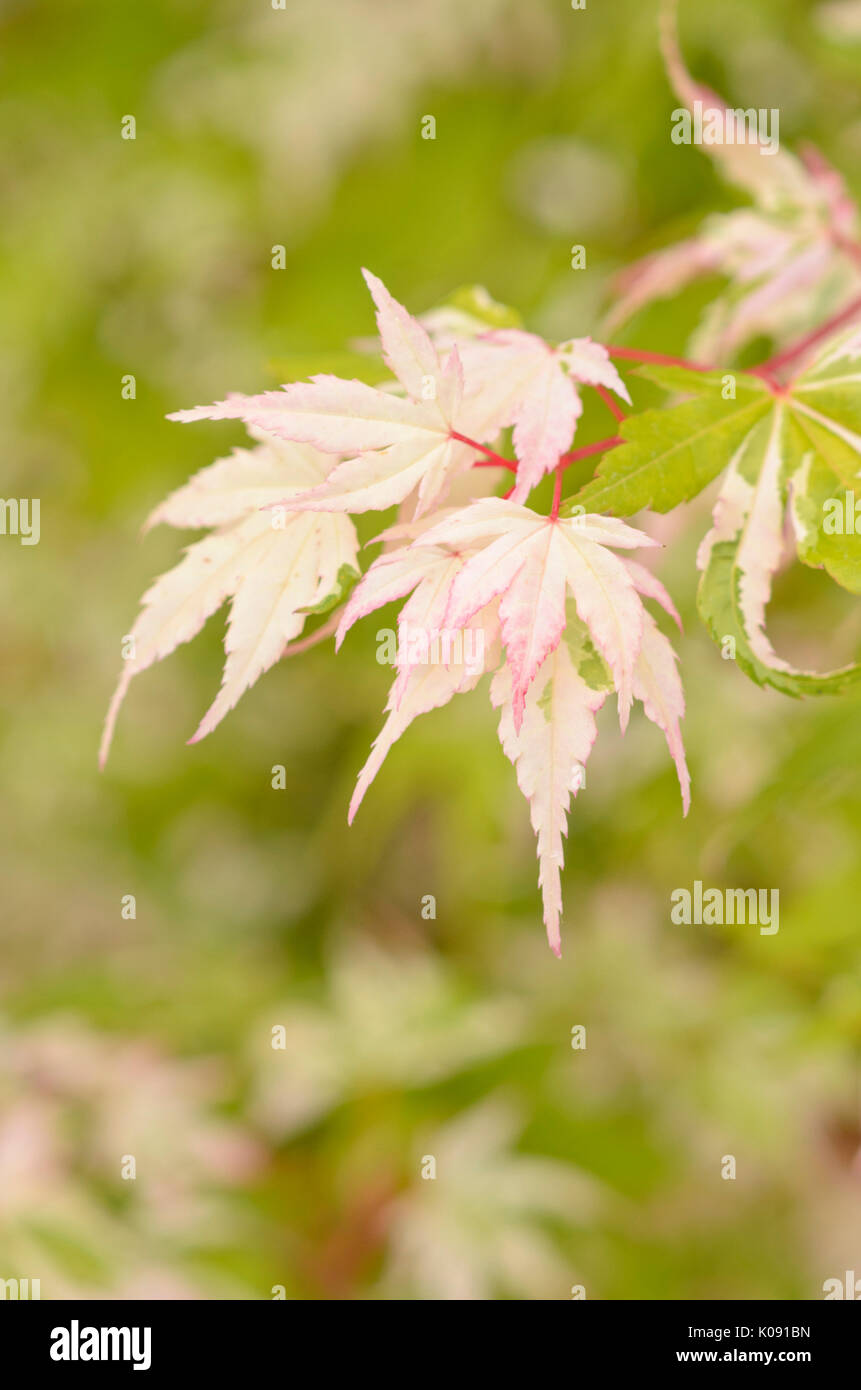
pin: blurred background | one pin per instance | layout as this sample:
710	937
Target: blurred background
299	1168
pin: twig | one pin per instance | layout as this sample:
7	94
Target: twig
611	403
491	460
588	450
797	349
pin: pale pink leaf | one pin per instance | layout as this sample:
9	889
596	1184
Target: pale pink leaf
407	349
302	567
273	572
500	369
549	752
244	482
529	561
607	602
375	481
544	427
427	681
590	363
425	688
178	604
335	416
264	614
390	577
657	685
648	584
751	159
658	276
609	530
487	517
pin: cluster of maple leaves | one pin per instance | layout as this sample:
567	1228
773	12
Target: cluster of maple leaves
284	547
791	260
556	600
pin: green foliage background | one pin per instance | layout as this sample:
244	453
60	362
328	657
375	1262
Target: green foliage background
258	908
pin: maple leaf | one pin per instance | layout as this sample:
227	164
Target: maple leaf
795	255
659	688
394	443
798	448
670	455
531	562
490	1229
516	378
778	272
388	1019
276	566
468	313
771	174
547	724
744	548
433	663
780	269
656	680
549	751
550	591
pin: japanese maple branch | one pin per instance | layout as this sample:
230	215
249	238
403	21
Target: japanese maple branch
491	459
795	350
611	403
599	447
557	491
764	370
495	460
658	358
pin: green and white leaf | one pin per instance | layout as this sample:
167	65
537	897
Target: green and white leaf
826	418
741	553
826	524
693	382
671	455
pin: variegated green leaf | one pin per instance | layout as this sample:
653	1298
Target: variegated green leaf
696	383
742	551
671	455
720	609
